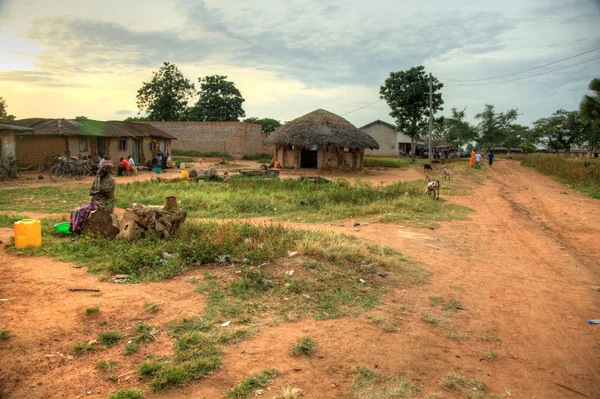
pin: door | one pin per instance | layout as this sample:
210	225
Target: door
102	147
308	158
136	150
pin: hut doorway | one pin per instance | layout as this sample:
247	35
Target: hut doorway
308	157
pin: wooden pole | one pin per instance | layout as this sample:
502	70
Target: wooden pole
430	112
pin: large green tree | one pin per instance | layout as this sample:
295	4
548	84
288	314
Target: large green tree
219	100
4	116
515	136
166	96
563	130
589	110
456	130
407	94
269	125
494	128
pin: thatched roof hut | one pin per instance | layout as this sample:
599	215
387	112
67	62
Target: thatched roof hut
320	139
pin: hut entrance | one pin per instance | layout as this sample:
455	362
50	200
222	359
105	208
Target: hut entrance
308	157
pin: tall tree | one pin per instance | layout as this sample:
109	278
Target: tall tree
589	110
269	125
166	96
407	94
4	116
219	100
494	127
515	136
456	130
563	130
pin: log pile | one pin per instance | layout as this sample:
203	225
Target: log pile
167	219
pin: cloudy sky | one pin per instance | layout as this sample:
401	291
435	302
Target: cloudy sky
65	58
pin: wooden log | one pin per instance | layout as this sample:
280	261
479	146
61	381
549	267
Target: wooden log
84	289
253	172
273	173
100	223
167	219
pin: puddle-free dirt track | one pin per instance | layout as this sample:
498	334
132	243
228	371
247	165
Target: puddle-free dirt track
525	266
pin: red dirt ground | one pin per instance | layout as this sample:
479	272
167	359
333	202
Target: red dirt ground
525	267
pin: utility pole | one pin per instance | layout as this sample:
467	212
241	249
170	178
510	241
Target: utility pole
430	112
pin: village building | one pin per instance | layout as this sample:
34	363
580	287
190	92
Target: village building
392	142
320	139
8	145
86	137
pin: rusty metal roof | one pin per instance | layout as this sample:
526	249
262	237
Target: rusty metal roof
90	128
6	126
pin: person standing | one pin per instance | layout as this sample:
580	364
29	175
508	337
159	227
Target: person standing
491	158
478	160
472	160
103	188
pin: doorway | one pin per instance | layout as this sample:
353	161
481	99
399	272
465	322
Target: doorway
136	150
101	147
308	158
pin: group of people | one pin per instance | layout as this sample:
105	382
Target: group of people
475	160
161	161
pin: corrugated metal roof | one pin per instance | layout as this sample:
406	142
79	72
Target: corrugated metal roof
6	126
89	127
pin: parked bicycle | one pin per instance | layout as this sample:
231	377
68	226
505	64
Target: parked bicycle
47	162
9	168
65	166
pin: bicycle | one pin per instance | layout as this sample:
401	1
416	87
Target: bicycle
66	166
47	162
10	168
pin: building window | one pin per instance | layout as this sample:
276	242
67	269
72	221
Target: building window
123	144
152	145
346	149
83	144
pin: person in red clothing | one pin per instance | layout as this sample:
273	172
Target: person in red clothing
123	166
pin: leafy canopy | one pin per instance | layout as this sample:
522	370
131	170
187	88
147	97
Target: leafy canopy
4	116
589	110
455	130
219	100
166	96
564	129
269	125
407	94
494	128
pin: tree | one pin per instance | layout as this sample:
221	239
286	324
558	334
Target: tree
81	118
4	116
219	100
563	130
407	94
589	110
494	127
136	119
456	130
166	96
268	125
515	136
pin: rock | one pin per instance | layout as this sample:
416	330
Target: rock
362	281
289	273
292	254
226	324
269	283
121	276
223	259
166	255
356	224
193	173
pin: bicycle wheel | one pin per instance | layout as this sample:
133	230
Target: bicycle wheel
78	171
57	172
15	170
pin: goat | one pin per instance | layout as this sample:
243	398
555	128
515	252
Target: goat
433	185
447	173
427	167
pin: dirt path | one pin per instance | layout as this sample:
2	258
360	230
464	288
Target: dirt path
524	267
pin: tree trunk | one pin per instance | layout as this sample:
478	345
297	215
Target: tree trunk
100	223
167	219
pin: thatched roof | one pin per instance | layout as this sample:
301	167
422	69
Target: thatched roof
321	128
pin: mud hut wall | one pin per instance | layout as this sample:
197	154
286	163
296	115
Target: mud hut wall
386	138
77	146
8	145
234	138
32	149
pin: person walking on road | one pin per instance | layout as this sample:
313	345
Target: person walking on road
491	158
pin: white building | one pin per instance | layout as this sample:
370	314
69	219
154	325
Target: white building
391	141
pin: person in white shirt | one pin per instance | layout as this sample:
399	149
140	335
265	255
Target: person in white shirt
103	161
478	157
131	162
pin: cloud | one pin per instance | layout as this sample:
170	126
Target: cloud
37	78
124	112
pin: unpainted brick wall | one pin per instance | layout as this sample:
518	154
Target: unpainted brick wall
235	138
32	149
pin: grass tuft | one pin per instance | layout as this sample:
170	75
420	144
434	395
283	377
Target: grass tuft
245	388
4	335
9	220
304	346
106	365
368	384
152	307
81	348
92	310
131	348
110	338
126	393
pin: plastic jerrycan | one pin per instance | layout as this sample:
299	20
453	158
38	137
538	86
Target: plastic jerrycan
28	233
184	174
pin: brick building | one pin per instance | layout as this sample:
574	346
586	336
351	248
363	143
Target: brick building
81	138
234	138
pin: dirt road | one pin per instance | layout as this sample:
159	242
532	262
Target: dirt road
526	267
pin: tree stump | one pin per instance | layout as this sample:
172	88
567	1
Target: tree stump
100	223
167	219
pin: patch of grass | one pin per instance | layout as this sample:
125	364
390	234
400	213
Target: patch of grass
367	384
190	153
144	332
435	300
490	336
81	348
372	162
452	305
262	158
106	365
126	393
512	356
152	307
430	318
456	382
304	346
570	171
9	220
245	388
110	338
489	354
300	201
289	393
4	334
383	323
131	348
50	199
93	310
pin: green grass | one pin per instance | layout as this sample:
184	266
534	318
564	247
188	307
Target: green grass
126	394
50	199
295	200
367	384
131	348
383	323
304	346
81	348
570	171
213	154
457	383
430	318
372	162
106	365
152	307
244	389
93	310
262	158
4	335
110	338
9	220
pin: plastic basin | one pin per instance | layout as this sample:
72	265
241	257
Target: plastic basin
63	228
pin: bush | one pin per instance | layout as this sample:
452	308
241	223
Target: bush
126	394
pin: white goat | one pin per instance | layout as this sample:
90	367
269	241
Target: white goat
433	185
447	173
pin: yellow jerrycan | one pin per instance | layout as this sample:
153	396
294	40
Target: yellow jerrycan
28	233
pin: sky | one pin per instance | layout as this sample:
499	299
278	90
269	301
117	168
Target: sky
65	58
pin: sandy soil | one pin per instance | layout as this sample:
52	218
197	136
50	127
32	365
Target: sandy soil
526	268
